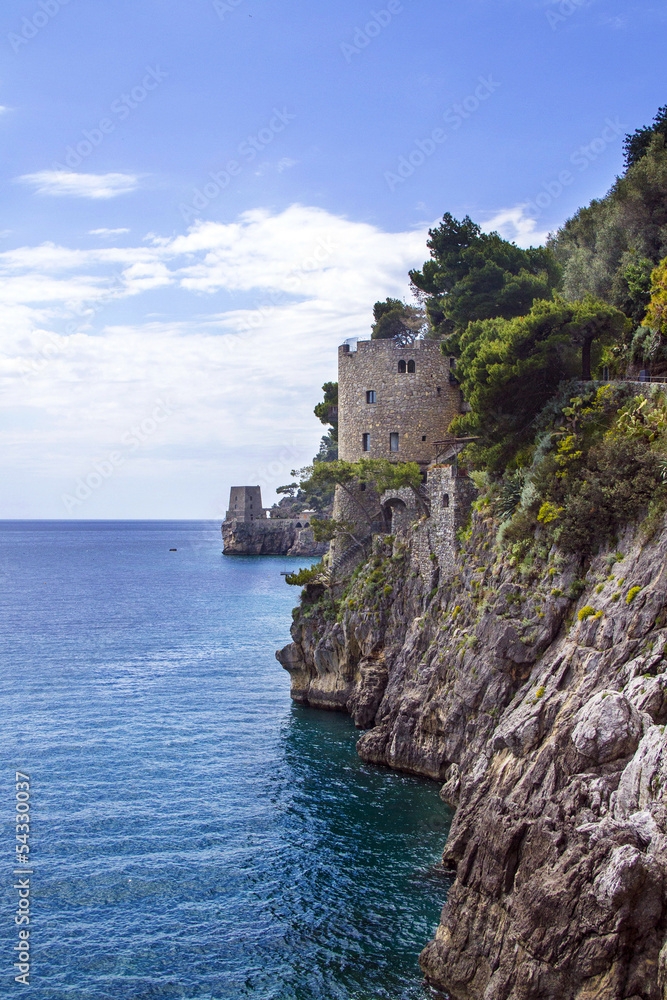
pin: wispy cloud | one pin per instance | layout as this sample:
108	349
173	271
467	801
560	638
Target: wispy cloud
516	224
61	183
107	232
268	297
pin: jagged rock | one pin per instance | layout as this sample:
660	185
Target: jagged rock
547	733
644	780
606	728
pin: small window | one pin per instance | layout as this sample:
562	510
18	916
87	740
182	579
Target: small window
438	391
423	437
452	363
445	500
362	487
393	441
370	396
411	367
401	367
365	442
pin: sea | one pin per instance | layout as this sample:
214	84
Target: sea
190	831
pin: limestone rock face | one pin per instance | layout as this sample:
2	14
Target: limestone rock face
548	735
269	537
608	727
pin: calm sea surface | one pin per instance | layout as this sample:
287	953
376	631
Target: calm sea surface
194	833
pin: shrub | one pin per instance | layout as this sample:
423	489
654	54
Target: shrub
586	613
632	593
549	512
509	494
388	590
305	575
599	588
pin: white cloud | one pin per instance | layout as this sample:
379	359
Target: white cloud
107	232
61	183
285	164
517	225
269	297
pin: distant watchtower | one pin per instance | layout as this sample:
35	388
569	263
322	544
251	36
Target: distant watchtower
394	401
245	504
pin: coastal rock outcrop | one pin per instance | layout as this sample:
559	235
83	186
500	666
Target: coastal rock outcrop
537	694
270	537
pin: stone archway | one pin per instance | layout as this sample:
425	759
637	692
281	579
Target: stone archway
395	513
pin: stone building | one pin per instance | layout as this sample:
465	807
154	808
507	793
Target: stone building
394	402
247	530
245	504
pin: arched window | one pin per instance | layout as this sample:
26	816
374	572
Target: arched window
401	367
411	367
445	500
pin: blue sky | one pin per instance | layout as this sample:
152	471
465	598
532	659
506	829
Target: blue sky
202	200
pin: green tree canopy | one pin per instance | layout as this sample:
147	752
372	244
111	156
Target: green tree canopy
510	369
326	410
394	320
638	142
382	474
474	275
610	248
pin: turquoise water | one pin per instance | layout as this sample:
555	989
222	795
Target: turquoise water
194	834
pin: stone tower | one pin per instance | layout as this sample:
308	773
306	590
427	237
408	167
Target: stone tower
394	401
245	504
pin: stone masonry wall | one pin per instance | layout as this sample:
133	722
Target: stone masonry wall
245	504
419	406
451	495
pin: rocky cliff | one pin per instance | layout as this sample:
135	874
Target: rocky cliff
269	537
536	691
